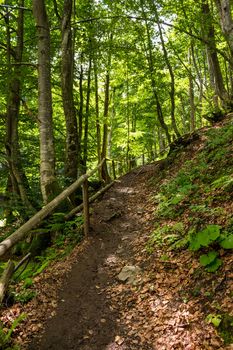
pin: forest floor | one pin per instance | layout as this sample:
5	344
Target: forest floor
83	304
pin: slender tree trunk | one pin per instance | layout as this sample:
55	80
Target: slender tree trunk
214	66
191	95
19	183
98	130
226	22
153	83
87	111
67	66
47	154
127	121
80	121
161	141
97	121
104	170
170	69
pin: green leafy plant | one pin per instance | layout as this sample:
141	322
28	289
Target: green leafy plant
24	296
225	328
214	319
227	241
210	261
205	237
167	234
225	182
5	337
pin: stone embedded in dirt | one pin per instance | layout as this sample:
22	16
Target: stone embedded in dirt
119	340
129	273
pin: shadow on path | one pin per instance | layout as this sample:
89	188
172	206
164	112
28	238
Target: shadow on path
85	319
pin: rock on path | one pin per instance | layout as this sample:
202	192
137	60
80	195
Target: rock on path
87	317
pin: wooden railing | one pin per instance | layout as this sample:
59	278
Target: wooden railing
22	232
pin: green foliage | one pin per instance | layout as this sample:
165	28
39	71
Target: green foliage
224	182
205	237
210	261
5	337
227	241
219	137
23	296
28	282
214	319
207	259
70	233
167	234
225	328
224	324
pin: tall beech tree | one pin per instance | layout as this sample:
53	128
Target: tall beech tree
67	79
17	181
152	72
45	112
104	170
125	96
216	78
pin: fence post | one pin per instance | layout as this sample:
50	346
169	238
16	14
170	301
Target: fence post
86	207
114	170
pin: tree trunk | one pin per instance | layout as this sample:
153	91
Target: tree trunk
47	154
191	94
80	121
97	120
67	67
104	170
226	22
170	69
153	83
19	234
86	124
214	66
5	279
19	183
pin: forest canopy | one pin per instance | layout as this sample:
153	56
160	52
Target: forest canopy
86	80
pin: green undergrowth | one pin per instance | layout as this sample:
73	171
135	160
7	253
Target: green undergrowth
192	201
6	334
64	237
192	205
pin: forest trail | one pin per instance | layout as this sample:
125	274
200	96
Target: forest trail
82	303
89	315
97	311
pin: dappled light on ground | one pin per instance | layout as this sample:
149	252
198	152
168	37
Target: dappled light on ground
128	289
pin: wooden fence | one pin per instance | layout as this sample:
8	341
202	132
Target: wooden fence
34	221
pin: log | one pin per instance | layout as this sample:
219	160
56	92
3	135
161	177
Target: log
91	199
5	280
21	233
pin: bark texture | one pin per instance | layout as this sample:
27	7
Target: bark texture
67	67
213	62
18	181
47	156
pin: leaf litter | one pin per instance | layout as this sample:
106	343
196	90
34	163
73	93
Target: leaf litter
164	308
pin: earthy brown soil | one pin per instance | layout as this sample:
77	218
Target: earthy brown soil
82	305
85	318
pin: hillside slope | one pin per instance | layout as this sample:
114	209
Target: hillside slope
172	223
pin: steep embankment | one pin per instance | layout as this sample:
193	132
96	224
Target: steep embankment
172	223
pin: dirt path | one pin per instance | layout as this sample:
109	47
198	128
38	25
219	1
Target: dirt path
94	310
88	317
